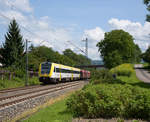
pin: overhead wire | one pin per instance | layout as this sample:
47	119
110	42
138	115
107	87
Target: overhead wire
13	6
76	46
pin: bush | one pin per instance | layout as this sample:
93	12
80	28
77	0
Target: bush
34	81
123	70
102	76
109	101
20	73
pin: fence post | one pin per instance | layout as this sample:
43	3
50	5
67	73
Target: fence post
2	76
9	75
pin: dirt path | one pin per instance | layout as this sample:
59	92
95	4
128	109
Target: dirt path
141	73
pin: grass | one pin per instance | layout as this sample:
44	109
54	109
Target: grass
123	70
129	79
58	112
133	80
145	64
125	97
17	82
54	113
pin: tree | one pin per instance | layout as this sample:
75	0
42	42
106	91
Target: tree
116	48
42	54
138	54
78	58
13	48
147	3
146	55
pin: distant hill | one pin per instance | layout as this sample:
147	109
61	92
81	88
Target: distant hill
97	62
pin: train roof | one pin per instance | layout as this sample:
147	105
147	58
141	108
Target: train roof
64	66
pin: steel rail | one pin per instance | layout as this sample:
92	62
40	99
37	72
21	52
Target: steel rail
40	94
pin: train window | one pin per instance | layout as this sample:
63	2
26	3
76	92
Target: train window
69	71
65	71
45	68
57	70
62	70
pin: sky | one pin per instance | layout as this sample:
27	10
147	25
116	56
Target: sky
61	24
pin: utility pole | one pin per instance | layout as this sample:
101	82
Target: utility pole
86	47
26	82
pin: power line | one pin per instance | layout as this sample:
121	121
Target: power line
13	6
76	47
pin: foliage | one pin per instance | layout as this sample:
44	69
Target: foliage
118	47
17	82
42	54
34	81
78	58
147	3
12	49
102	76
109	101
129	98
12	54
19	73
123	70
137	54
146	55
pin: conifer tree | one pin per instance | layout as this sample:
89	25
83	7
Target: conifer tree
12	49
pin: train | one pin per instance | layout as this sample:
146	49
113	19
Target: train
54	73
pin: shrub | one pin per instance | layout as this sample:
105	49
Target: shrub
34	81
102	76
123	70
19	73
107	100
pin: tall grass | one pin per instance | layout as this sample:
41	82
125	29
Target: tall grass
17	82
123	70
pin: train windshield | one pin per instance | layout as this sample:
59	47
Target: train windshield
45	68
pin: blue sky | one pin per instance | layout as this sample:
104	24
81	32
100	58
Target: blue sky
88	14
57	21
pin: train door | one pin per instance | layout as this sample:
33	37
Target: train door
71	74
59	73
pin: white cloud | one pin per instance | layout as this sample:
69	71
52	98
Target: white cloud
137	30
17	15
55	36
95	34
33	29
93	53
45	32
143	45
22	5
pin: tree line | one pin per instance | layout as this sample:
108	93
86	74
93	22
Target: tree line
118	47
13	55
146	54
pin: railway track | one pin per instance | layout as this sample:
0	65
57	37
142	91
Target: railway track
19	88
23	94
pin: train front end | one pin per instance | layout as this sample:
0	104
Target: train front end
45	72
